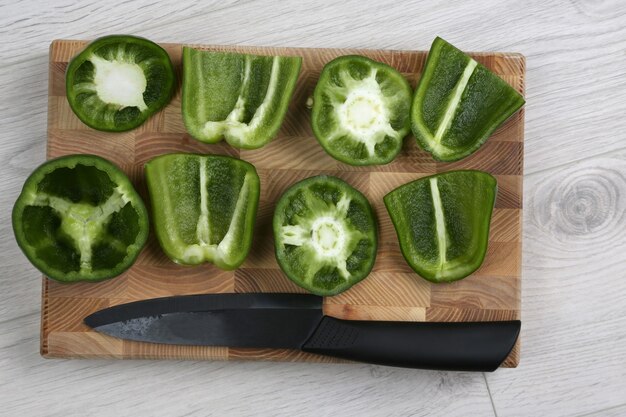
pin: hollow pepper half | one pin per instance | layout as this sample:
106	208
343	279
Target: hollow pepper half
117	82
361	110
239	97
204	207
325	235
458	103
79	218
442	222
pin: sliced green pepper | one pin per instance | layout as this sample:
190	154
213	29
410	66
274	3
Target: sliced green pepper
458	103
79	218
442	222
325	235
204	207
361	110
242	98
119	81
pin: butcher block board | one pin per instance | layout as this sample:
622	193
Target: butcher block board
391	292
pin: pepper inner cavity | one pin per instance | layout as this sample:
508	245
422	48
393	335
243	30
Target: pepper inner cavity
235	125
206	249
83	222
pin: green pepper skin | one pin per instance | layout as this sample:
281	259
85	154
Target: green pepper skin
82	91
361	109
325	235
78	218
442	222
238	97
458	103
204	207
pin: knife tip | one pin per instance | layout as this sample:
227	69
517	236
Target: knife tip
88	321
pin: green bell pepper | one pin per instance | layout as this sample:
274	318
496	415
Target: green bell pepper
203	207
78	218
442	222
117	82
242	98
360	110
325	235
458	103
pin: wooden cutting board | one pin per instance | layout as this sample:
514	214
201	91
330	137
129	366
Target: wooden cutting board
391	292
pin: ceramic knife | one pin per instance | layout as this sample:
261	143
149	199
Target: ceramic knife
296	321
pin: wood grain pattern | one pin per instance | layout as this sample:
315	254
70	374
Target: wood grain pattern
392	292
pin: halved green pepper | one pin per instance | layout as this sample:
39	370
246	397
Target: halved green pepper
325	235
361	110
442	222
242	98
458	103
119	81
203	207
79	218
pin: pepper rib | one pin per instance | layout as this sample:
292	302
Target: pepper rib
453	104
440	224
202	228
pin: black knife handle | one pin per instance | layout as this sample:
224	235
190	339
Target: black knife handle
475	346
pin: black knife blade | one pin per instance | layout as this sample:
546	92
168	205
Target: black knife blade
238	320
296	321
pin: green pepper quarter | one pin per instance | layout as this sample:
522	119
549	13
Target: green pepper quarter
78	218
240	97
204	207
442	222
119	81
458	103
360	110
325	235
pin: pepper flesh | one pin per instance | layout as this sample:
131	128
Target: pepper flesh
117	82
458	103
79	218
204	207
325	235
442	222
239	97
360	110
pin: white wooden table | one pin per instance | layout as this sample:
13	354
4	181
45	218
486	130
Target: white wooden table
574	285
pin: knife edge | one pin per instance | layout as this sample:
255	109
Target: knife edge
202	303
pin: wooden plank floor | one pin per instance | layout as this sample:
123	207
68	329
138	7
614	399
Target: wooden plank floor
573	354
